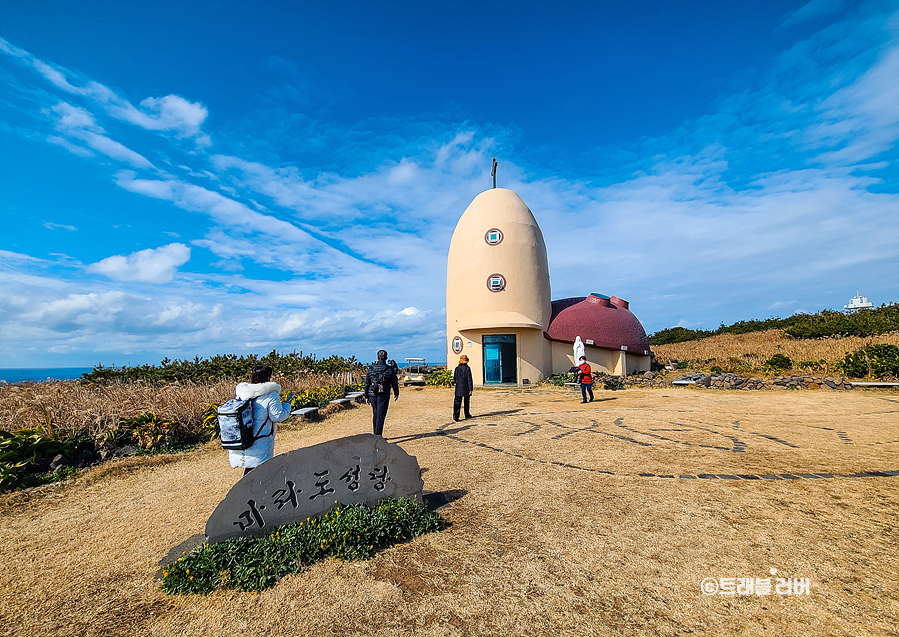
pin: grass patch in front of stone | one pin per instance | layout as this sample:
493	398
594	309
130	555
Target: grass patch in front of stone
347	532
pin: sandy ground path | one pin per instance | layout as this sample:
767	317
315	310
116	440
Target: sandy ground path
553	529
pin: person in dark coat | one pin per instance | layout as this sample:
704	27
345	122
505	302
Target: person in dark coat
379	380
464	386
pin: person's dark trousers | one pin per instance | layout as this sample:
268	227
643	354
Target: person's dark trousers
379	405
585	388
457	406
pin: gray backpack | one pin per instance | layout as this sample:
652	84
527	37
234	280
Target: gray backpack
236	424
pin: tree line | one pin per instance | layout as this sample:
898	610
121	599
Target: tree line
867	322
222	367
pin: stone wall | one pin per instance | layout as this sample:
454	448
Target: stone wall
732	381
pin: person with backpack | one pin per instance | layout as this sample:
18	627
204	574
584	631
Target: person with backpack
268	409
379	380
585	379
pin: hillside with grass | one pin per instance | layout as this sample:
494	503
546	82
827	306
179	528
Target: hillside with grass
861	344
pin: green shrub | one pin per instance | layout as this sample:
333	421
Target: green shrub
715	369
147	430
883	360
677	335
321	396
682	365
879	361
778	363
440	378
227	366
47	477
558	380
20	449
347	532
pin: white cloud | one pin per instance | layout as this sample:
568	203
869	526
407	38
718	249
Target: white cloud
95	310
149	266
79	124
58	226
170	113
812	10
81	151
862	119
781	304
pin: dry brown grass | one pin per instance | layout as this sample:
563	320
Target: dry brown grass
533	548
69	407
748	352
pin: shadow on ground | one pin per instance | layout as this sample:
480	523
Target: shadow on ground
437	499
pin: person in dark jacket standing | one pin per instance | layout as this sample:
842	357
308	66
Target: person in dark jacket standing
379	380
464	386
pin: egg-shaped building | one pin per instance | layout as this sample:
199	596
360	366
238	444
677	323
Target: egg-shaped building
497	291
498	307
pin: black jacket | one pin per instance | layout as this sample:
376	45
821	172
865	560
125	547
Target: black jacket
388	373
462	379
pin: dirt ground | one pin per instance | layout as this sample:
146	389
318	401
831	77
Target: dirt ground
565	519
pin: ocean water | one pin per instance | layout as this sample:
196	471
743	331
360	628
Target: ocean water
17	375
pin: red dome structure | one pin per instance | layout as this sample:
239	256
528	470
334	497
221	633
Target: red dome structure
605	320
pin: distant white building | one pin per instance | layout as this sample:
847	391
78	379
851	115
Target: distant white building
858	302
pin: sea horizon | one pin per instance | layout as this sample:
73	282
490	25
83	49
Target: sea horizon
41	374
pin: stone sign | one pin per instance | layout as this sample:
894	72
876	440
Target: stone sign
307	482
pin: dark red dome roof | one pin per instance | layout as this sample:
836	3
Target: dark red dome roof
606	321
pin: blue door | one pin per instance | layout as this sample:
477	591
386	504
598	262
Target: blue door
500	359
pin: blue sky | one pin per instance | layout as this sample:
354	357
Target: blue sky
187	179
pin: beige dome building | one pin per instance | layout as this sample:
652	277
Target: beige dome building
499	310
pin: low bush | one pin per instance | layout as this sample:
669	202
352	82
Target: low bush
778	363
347	532
321	396
21	450
879	361
440	378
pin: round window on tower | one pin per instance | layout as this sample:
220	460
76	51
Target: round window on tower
494	236
496	283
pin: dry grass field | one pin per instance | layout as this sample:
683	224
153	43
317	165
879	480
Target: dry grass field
72	407
552	528
748	352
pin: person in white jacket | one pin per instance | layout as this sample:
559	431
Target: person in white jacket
267	410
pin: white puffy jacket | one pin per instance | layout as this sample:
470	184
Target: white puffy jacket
267	411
